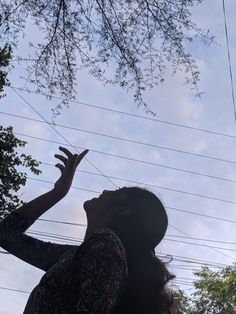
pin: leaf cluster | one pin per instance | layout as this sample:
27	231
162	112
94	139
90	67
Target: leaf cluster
134	38
11	178
214	293
5	57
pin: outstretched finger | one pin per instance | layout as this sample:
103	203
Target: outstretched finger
62	158
60	166
66	151
81	156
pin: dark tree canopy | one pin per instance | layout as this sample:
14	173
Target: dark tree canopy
214	293
11	177
5	57
135	38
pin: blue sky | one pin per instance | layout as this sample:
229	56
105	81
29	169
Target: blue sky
173	102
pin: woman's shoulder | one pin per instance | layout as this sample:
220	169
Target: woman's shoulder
106	236
106	240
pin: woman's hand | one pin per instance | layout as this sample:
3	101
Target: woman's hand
68	168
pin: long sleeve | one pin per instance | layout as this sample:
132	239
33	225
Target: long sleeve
38	253
102	274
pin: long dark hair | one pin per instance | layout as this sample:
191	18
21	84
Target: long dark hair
145	290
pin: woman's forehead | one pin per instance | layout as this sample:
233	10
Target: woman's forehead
120	193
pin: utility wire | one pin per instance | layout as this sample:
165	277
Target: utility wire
127	113
176	258
156	186
38	113
229	58
15	290
38	232
191	260
176	169
171	208
202	215
200	239
77	240
128	140
124	157
159	187
168	207
203	245
44	119
216	249
63	222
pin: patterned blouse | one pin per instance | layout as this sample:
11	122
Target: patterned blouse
79	279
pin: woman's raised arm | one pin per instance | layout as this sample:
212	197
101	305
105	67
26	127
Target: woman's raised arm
38	206
36	252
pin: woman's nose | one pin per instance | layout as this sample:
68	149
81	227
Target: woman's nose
105	191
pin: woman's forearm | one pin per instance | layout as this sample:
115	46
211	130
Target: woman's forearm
34	209
38	206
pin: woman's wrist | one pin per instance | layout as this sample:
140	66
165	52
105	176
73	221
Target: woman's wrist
38	206
58	193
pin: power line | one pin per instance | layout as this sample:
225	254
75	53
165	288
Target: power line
191	259
77	240
177	258
203	245
177	169
56	235
213	248
15	290
158	187
73	187
201	239
124	157
51	125
176	209
127	113
203	215
128	140
27	103
168	207
229	58
199	263
63	222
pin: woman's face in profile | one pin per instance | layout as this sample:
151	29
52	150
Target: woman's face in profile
98	208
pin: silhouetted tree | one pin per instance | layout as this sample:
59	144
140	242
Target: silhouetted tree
135	37
11	178
5	57
215	291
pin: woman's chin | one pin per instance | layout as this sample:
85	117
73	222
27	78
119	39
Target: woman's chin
89	204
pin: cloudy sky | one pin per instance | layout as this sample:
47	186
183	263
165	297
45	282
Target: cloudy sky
189	169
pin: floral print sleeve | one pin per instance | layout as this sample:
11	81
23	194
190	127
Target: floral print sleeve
102	274
38	253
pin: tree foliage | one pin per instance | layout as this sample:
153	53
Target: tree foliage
5	57
214	293
11	178
135	38
182	302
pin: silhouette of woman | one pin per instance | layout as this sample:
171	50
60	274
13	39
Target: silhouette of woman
114	270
